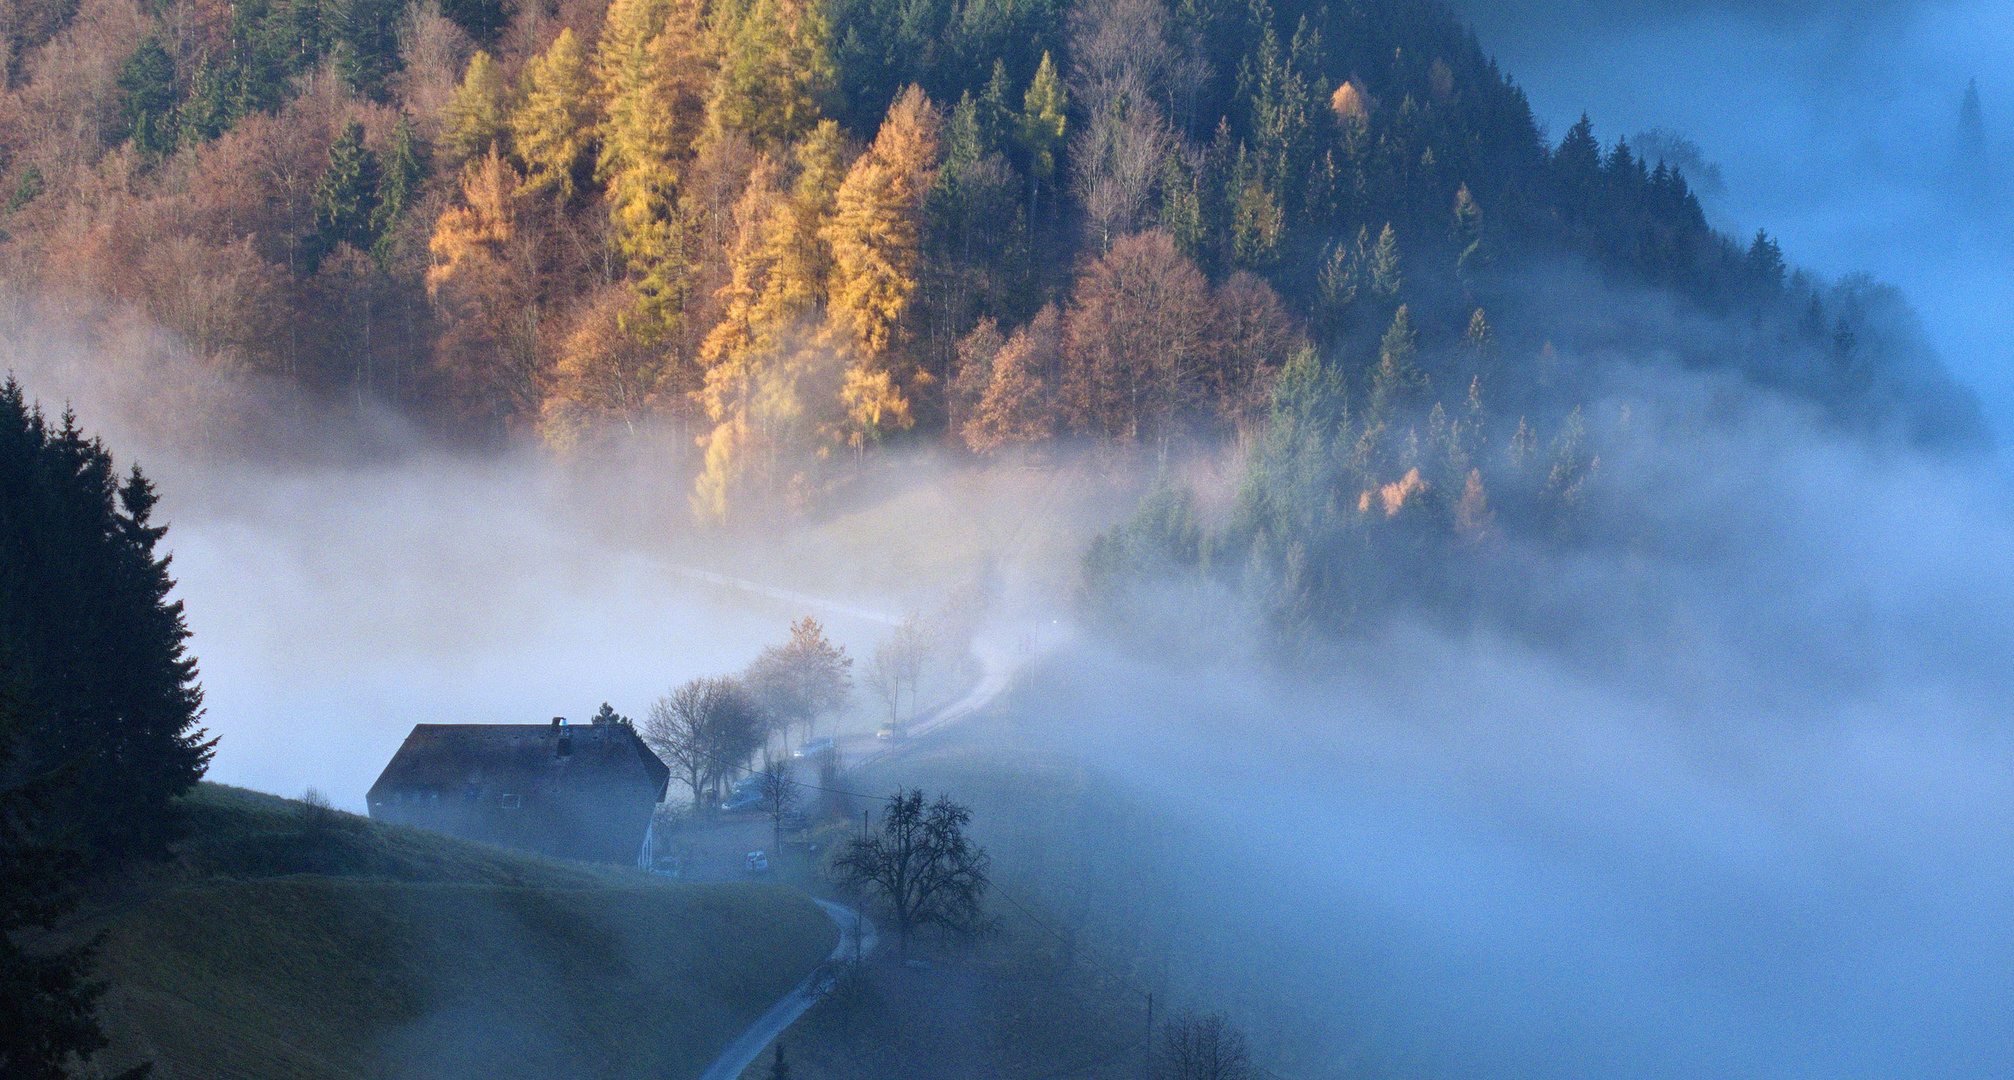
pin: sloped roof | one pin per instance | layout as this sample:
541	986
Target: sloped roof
524	759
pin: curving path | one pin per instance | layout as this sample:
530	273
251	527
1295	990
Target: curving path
856	939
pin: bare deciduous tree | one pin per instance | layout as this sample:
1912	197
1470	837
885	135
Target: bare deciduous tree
921	864
1120	49
1018	403
898	664
780	794
1118	158
802	679
432	51
1137	337
884	681
703	730
1202	1048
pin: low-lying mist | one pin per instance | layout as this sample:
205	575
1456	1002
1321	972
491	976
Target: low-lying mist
1732	799
1727	799
345	579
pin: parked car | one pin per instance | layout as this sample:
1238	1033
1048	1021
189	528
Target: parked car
758	862
889	730
742	800
751	782
814	748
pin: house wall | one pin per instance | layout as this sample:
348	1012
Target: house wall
594	822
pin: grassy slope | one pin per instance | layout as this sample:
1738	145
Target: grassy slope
285	946
1016	1003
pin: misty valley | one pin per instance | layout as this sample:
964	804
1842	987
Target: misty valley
1005	539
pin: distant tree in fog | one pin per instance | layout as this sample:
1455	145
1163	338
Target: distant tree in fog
704	730
1202	1048
884	681
802	679
780	794
899	662
921	864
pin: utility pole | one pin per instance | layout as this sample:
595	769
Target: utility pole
859	919
1147	1057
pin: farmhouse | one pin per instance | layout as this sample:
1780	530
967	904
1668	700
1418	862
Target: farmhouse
574	791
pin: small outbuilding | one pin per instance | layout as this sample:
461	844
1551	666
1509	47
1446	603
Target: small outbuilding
568	790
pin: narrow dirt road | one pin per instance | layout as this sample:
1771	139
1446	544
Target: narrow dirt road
857	939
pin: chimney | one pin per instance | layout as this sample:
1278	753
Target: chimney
559	721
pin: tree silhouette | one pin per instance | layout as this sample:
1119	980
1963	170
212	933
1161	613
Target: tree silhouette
920	864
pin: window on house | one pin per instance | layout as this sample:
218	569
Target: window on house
512	802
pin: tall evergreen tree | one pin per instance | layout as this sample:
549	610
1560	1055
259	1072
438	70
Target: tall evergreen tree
553	126
147	98
483	20
48	1025
477	119
1397	380
1044	119
403	171
107	688
1382	267
775	69
1763	267
346	198
366	44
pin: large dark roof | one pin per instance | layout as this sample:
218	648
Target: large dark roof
523	759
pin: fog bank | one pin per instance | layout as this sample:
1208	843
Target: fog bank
1744	807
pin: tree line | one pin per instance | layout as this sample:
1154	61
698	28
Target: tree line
710	728
798	229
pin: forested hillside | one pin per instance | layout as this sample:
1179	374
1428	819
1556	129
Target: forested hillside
800	229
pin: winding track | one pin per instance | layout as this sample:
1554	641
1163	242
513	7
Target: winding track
856	939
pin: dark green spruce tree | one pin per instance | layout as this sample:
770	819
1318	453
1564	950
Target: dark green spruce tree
365	43
98	711
147	95
48	1022
103	677
346	199
400	176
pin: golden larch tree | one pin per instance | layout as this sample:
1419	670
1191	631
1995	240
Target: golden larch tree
553	125
477	115
769	381
775	67
605	376
486	288
728	353
653	71
876	235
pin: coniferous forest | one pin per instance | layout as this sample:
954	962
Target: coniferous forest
798	232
